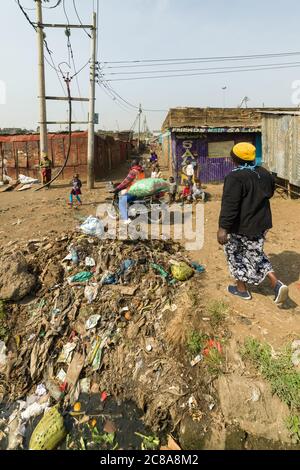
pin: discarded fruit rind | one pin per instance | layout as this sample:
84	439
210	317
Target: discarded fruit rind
182	271
77	406
49	432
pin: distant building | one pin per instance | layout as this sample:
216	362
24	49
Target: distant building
206	135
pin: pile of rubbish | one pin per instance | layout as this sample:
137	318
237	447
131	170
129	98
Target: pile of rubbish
81	315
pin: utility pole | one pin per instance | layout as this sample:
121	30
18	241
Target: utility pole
91	129
139	137
41	78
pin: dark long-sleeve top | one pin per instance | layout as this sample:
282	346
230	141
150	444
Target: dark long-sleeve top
245	203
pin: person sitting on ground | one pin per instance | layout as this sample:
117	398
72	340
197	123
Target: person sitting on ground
136	173
244	221
186	193
156	173
197	192
76	190
172	190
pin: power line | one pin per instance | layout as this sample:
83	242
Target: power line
207	73
113	98
47	8
79	19
213	58
239	67
115	93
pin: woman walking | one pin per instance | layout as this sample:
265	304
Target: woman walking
244	220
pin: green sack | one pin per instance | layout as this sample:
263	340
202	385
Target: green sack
182	271
148	187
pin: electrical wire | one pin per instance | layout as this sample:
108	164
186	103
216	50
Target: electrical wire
79	19
113	98
213	58
206	73
47	8
239	67
128	103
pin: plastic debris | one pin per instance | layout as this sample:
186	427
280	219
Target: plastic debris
90	262
92	321
84	276
92	226
27	180
198	267
103	396
66	354
61	375
296	344
41	390
181	271
196	360
35	409
3	356
91	292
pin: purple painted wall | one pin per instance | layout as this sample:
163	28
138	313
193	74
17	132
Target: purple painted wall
208	169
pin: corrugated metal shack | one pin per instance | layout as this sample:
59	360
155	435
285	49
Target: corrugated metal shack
206	135
281	145
21	153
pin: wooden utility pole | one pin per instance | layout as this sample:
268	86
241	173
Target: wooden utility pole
91	129
41	79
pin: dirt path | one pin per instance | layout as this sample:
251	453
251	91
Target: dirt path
28	215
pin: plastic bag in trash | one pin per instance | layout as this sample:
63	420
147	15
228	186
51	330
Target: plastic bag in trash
27	179
182	271
90	293
92	226
148	187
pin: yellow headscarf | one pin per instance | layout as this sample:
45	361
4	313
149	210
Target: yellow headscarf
245	151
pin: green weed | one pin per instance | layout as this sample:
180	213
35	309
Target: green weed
196	342
277	370
217	311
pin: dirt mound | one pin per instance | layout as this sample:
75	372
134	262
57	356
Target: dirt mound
15	279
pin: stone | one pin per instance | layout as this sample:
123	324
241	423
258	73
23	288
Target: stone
15	279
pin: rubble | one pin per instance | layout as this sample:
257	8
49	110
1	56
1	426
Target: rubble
80	334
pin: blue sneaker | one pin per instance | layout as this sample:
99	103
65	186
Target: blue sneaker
243	295
281	293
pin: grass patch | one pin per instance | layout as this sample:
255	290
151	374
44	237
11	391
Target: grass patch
293	425
217	311
277	370
214	361
196	342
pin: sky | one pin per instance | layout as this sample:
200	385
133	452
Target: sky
150	29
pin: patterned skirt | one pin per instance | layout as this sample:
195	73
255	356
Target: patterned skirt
246	259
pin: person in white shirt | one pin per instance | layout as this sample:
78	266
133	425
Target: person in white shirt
197	192
156	173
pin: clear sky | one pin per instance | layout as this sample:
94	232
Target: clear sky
152	29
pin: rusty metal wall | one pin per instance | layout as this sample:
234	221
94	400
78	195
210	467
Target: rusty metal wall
281	146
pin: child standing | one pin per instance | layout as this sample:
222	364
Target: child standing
76	190
172	190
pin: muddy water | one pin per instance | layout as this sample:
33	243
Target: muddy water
125	417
